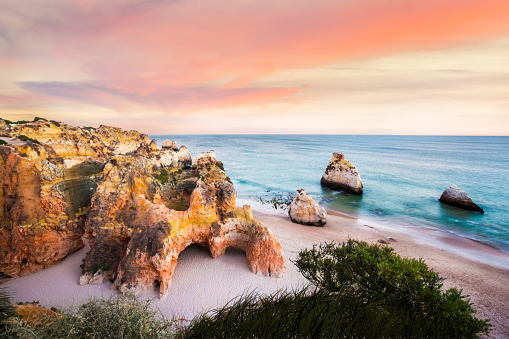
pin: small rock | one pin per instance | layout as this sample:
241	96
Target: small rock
167	144
457	197
304	210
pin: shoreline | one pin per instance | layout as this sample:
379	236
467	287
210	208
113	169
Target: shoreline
201	283
473	249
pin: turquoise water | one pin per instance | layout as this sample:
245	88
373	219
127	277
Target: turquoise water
403	176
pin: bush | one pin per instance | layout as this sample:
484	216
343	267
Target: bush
3	142
54	122
25	138
123	317
405	292
38	118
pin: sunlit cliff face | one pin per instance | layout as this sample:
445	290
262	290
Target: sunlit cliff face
202	66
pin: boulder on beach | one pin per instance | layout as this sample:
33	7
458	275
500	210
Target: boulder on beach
457	197
341	174
304	210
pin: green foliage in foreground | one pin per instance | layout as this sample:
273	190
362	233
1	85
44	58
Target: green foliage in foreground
362	291
123	317
3	142
6	309
405	291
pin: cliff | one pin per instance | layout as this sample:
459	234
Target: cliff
139	206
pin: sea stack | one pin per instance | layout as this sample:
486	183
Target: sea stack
341	174
457	197
304	210
167	144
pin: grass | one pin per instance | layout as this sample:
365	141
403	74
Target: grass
121	317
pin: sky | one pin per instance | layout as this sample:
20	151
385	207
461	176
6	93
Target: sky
431	67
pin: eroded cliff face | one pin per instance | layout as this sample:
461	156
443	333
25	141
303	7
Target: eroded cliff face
46	188
139	206
141	224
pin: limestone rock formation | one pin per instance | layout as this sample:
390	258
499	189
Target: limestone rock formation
167	144
47	183
139	206
459	198
138	225
304	210
341	174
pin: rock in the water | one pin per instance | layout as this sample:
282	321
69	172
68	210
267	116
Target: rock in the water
139	206
341	174
457	197
304	210
167	144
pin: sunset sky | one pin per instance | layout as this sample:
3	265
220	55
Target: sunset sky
239	66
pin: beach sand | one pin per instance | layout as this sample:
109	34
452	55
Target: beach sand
201	283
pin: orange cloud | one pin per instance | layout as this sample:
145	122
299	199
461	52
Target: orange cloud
216	51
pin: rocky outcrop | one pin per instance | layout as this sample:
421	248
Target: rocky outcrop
341	174
138	225
167	144
457	197
138	205
304	210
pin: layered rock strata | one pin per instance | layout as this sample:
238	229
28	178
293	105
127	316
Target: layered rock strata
304	210
457	197
341	174
47	182
138	225
138	205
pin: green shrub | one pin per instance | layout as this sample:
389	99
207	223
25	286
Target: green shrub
306	313
406	293
54	122
8	122
3	142
25	138
6	308
38	118
163	176
360	291
123	317
89	127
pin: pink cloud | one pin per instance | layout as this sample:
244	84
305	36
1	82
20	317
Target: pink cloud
185	55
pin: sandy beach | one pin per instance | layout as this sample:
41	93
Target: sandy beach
201	283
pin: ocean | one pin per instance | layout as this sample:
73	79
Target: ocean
403	176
